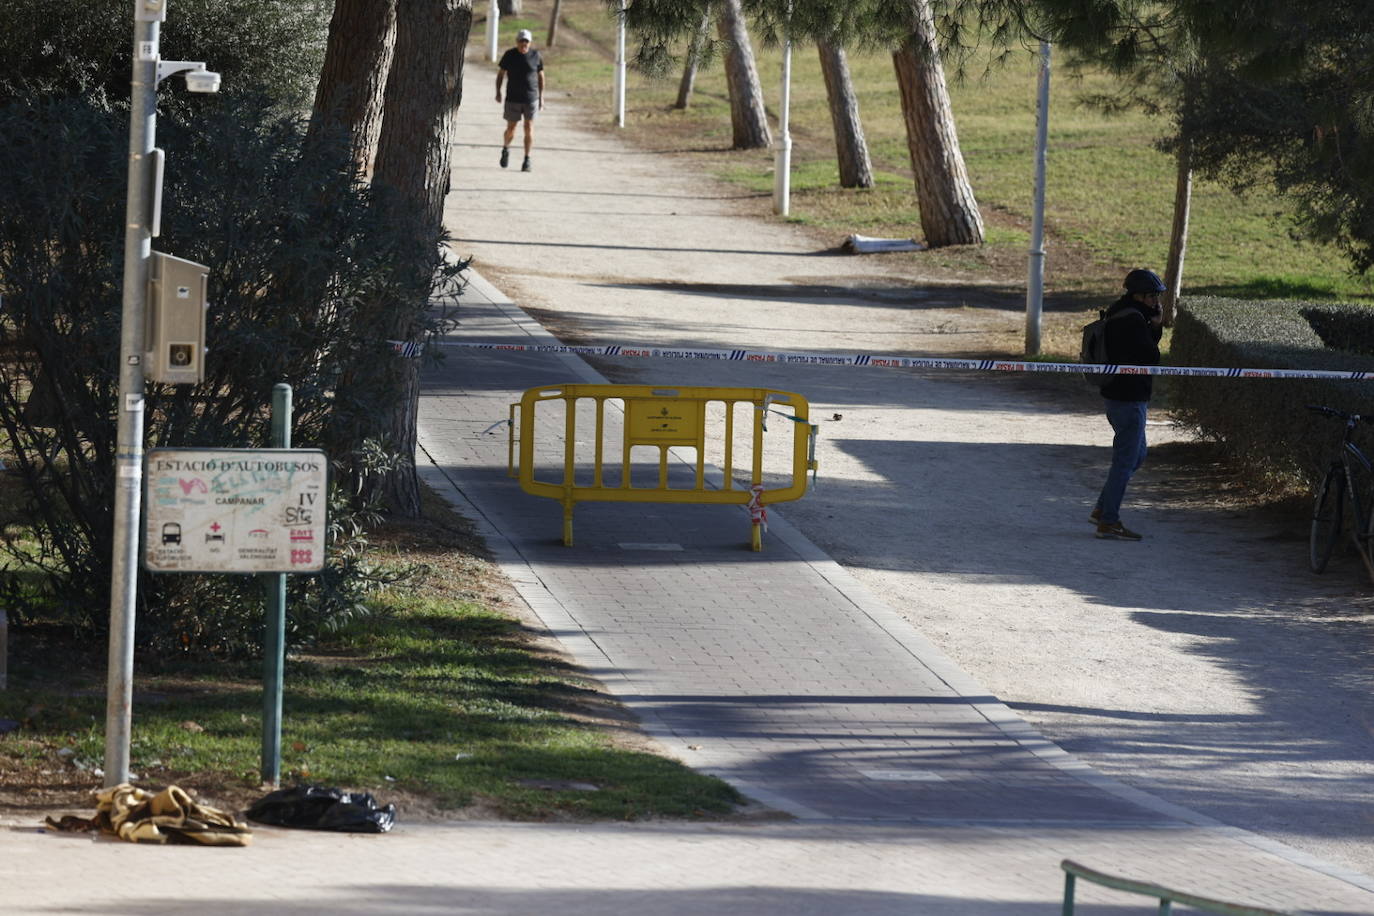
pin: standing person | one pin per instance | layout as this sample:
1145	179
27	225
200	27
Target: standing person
524	94
1132	340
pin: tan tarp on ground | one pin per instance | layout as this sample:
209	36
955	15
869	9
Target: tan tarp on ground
170	816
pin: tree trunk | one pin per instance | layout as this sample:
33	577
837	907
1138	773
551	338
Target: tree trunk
689	66
851	150
1178	237
423	93
346	120
352	80
553	23
949	213
747	115
508	7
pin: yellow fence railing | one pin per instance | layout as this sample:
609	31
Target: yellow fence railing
698	426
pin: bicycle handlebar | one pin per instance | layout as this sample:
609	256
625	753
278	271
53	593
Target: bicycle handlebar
1341	414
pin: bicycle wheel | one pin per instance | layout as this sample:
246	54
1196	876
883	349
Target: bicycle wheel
1327	517
1362	517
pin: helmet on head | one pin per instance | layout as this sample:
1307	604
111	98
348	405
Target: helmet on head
1141	280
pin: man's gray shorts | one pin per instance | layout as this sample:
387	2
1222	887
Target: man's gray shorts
517	110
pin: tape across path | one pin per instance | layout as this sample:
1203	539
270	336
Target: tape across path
869	360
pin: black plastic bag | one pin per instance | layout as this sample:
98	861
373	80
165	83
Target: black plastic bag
320	808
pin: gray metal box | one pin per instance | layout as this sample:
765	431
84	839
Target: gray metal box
175	340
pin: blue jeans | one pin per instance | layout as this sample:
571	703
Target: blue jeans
1128	453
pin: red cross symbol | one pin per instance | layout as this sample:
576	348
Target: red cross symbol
215	527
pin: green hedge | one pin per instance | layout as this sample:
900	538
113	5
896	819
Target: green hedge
1262	422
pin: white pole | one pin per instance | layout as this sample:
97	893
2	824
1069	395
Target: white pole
782	165
620	67
128	484
493	31
1035	283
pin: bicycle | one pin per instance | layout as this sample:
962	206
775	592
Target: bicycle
1347	484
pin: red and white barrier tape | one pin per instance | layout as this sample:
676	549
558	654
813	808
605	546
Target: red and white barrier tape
758	513
906	362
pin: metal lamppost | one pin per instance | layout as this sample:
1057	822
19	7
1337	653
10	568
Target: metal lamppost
620	74
494	31
782	162
1035	281
140	225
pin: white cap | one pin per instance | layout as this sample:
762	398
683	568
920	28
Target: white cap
524	35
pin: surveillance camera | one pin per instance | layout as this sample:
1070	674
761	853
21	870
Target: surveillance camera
202	81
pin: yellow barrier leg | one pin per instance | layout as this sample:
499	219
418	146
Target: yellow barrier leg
567	523
756	538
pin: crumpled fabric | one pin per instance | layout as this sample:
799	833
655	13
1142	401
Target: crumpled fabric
170	816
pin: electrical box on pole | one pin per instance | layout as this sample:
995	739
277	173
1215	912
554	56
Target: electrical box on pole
175	342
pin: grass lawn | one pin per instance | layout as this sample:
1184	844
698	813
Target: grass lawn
1109	198
444	702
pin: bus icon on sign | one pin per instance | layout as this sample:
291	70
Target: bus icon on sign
171	533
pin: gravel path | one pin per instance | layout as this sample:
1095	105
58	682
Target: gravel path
1204	664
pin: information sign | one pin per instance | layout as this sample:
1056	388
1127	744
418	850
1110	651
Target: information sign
664	421
235	510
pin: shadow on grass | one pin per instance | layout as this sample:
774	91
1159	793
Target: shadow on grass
925	295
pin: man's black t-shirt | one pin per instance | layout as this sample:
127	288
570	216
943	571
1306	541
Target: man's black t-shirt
522	70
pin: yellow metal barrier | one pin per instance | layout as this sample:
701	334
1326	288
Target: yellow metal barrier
660	419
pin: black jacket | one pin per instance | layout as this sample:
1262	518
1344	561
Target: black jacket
1131	341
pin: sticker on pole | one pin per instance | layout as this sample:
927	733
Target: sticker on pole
235	510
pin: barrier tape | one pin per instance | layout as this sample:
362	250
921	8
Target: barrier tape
758	512
869	360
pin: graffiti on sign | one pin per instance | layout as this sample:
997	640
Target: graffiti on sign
235	510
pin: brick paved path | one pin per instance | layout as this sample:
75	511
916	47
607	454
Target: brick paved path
780	673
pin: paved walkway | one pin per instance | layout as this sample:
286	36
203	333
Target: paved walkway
913	790
779	672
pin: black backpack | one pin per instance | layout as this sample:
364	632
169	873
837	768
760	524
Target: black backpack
1094	348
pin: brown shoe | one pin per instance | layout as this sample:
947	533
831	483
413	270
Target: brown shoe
1116	531
1096	516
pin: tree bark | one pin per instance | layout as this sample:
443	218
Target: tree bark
949	213
689	66
553	23
350	93
1178	237
423	92
748	118
851	149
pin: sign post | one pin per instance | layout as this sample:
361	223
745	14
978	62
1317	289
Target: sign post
243	511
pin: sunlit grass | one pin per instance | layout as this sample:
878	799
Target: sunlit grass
1109	192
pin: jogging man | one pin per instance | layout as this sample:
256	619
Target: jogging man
1132	340
524	94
